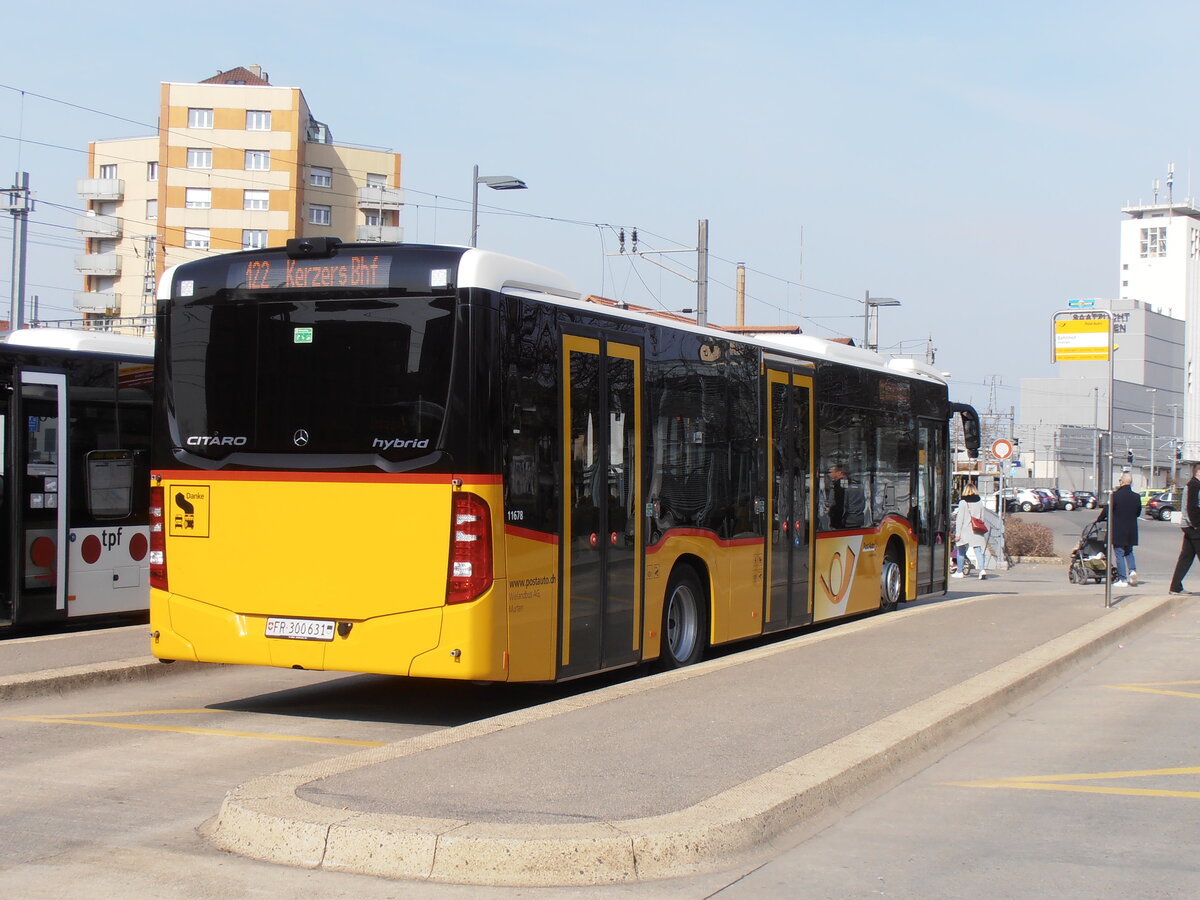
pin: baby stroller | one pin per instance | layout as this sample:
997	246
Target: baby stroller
1087	562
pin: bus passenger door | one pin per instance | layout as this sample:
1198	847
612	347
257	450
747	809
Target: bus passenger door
932	522
41	490
601	592
790	513
8	484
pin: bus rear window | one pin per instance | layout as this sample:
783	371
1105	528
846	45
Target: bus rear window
259	375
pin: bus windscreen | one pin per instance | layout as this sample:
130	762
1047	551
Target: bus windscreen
255	373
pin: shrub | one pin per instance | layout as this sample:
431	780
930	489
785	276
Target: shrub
1025	538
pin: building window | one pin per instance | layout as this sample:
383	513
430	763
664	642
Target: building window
258	160
374	180
196	238
253	239
198	198
1154	242
320	215
108	171
152	170
256	200
199	158
1194	239
258	120
319	176
200	118
1124	284
373	218
151	210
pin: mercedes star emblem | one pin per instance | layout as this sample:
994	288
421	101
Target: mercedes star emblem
300	438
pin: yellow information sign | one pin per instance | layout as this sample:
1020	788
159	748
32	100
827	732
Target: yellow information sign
1082	336
188	507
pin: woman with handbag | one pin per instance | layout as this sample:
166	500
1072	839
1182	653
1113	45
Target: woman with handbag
970	531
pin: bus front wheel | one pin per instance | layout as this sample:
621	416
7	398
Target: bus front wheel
683	621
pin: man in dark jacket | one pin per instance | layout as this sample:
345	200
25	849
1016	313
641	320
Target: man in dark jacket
1189	521
1126	507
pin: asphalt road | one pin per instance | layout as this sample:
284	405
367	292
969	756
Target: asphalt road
1092	791
104	788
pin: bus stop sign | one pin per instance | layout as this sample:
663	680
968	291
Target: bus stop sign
1002	449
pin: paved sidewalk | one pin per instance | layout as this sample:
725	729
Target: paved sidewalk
685	771
47	664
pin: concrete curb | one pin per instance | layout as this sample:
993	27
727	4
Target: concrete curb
265	819
59	681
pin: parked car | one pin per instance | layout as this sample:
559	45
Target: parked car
1149	494
1009	497
1049	500
1066	499
1029	500
1162	507
1085	499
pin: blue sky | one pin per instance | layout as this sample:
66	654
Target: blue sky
971	161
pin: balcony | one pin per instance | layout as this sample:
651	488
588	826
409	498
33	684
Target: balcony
377	233
100	188
96	301
98	226
374	197
98	264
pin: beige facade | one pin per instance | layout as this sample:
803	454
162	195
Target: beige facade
237	163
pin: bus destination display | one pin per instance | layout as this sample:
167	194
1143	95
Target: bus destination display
363	270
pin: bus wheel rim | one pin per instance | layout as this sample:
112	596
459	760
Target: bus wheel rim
891	583
682	627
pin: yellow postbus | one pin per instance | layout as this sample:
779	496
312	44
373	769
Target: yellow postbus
443	462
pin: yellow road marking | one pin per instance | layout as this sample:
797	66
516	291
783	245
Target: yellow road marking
114	715
1052	783
1156	687
1075	788
89	719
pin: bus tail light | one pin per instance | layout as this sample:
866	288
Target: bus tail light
158	539
470	548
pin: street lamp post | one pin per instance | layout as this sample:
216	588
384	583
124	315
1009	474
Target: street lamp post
870	303
496	183
1153	392
1174	407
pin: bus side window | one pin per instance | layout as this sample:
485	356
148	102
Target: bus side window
110	483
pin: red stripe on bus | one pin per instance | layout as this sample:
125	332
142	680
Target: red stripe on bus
531	535
706	535
322	477
899	520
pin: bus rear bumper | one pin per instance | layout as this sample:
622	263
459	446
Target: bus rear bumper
408	643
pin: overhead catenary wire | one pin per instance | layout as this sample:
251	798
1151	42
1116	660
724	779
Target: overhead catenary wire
289	162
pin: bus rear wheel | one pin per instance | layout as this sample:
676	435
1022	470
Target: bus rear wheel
683	621
891	583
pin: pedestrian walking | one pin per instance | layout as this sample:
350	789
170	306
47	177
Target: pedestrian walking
966	533
1126	508
1189	521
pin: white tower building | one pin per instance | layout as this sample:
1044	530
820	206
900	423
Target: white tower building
1160	266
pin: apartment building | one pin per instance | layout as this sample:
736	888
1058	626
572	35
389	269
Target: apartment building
238	163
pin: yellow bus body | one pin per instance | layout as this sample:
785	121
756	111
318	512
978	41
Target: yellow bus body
371	553
368	552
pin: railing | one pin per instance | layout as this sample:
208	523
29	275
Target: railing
136	325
